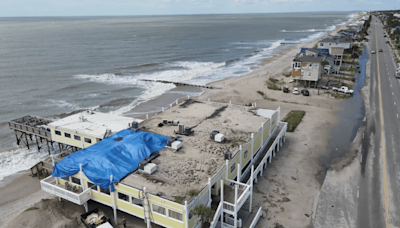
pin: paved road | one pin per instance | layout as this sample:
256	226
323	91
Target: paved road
379	186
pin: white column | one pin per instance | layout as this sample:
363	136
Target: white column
252	146
147	219
262	166
176	102
236	201
147	116
186	215
188	97
251	188
83	186
209	192
239	172
240	154
262	133
227	169
222	201
279	115
270	125
114	203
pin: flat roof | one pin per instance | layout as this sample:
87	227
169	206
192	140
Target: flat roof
93	123
200	157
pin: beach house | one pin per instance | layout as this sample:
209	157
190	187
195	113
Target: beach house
335	42
144	173
86	128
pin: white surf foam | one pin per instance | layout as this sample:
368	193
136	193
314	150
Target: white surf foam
19	159
330	28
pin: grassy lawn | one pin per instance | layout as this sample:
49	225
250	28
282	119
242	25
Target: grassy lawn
293	119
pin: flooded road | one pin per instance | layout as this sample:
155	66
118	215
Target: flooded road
349	120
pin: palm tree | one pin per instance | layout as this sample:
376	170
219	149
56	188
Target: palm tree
206	214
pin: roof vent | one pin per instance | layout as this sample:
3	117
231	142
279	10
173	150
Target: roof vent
135	126
150	168
228	155
216	136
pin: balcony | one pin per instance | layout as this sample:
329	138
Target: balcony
50	185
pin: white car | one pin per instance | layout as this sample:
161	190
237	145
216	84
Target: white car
373	52
296	91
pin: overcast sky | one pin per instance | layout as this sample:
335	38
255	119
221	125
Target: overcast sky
166	7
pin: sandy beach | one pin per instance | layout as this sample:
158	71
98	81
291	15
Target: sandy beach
288	190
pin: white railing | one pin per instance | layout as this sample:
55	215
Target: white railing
216	216
49	185
255	220
229	207
242	199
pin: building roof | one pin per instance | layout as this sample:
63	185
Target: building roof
93	123
335	40
200	157
312	59
115	156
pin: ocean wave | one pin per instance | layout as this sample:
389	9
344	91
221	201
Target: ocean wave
62	104
19	159
330	28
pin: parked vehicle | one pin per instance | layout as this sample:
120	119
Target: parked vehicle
384	35
343	89
325	87
286	89
305	92
397	73
380	50
387	41
95	219
296	91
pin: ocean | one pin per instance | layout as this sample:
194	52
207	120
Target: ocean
53	65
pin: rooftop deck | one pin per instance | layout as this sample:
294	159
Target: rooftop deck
200	157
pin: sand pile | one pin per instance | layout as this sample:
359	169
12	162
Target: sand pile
50	213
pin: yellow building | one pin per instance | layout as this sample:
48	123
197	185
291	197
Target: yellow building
198	174
84	129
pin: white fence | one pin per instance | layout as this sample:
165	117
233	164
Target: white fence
49	185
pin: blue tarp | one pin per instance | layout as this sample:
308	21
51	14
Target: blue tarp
111	157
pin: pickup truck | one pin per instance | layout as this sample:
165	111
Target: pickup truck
343	89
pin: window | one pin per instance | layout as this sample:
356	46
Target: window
175	215
57	132
190	215
123	197
87	140
158	209
77	137
65	178
92	186
105	191
321	44
67	135
233	167
76	180
137	201
245	153
309	74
